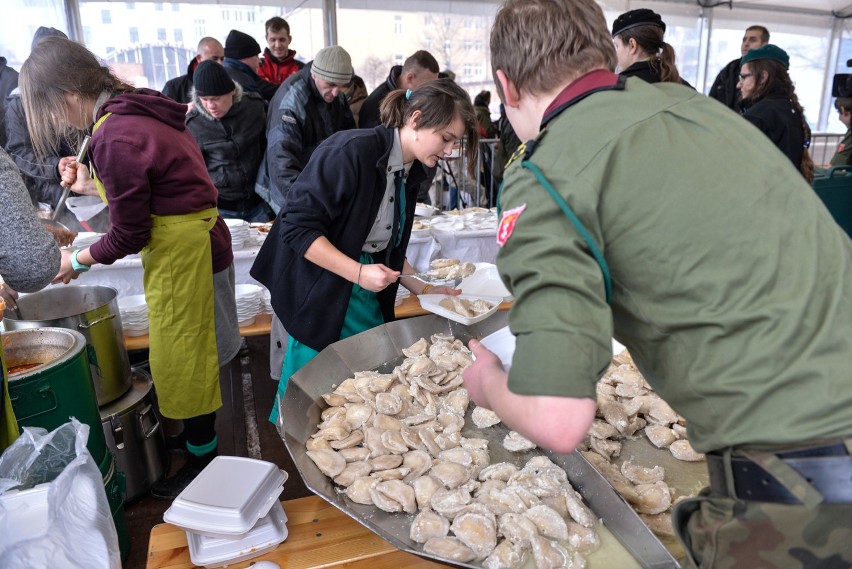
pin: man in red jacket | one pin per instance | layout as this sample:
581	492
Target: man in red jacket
279	61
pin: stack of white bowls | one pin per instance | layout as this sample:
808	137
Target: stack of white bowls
239	232
266	297
249	303
134	315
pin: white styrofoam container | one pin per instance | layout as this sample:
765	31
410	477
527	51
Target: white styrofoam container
265	536
228	498
23	514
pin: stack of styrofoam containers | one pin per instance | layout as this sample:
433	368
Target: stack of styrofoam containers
226	522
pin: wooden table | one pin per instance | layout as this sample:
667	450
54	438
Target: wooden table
320	535
409	308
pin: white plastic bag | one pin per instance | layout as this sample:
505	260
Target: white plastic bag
78	530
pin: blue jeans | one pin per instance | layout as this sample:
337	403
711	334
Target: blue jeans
257	214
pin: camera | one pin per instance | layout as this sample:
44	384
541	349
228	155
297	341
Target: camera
841	85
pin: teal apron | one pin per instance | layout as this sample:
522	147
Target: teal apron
362	314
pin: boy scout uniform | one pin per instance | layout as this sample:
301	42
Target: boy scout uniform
719	269
843	156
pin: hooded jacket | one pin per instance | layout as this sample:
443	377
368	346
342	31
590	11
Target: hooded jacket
149	163
275	70
180	88
370	116
724	88
232	146
297	121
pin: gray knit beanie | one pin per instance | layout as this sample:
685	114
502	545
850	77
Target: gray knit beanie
334	65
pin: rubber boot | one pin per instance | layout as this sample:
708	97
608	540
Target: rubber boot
169	488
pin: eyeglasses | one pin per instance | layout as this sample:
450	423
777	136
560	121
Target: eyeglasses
744	76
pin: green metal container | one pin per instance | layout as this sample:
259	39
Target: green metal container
50	381
114	485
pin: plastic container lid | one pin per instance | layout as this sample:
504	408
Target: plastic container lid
262	538
228	497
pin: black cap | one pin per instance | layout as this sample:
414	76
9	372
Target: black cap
241	46
211	80
634	18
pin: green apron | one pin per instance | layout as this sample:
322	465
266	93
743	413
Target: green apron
178	283
362	314
8	425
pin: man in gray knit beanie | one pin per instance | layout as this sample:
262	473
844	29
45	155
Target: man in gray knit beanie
332	71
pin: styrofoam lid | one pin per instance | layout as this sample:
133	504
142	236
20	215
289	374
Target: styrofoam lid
267	533
228	496
24	514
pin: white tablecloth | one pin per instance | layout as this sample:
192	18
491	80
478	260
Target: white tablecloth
125	275
478	246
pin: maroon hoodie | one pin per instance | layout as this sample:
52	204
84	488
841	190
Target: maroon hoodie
150	163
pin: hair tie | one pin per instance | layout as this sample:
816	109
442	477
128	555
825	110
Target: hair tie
408	95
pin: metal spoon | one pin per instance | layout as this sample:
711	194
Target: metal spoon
81	154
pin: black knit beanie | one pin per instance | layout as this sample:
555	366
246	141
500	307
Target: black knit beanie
211	80
239	45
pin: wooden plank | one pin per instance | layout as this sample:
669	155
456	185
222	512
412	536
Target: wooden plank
320	535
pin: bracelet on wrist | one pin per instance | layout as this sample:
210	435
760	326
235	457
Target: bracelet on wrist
426	288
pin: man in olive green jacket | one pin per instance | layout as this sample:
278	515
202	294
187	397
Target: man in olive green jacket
715	265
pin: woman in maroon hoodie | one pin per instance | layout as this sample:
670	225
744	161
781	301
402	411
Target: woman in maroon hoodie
149	169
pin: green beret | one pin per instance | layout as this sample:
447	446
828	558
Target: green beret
767	51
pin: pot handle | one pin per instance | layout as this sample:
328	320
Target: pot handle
153	424
87	325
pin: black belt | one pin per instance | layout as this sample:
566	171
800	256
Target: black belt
827	468
239	205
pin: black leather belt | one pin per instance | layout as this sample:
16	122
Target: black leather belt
827	468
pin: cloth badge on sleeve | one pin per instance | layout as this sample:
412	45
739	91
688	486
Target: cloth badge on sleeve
507	224
841	148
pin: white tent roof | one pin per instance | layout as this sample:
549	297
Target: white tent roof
838	8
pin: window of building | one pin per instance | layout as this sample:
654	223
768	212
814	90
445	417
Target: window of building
106	17
200	28
131	5
161	34
175	7
178	35
158	6
398	59
134	35
397	25
468	45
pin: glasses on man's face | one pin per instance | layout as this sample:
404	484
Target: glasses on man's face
744	76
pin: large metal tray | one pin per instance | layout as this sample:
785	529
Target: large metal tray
381	349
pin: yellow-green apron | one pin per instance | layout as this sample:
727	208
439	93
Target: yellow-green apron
177	268
8	425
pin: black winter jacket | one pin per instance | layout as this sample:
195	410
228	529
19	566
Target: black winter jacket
369	116
776	117
644	71
41	176
180	88
297	121
232	146
724	88
337	196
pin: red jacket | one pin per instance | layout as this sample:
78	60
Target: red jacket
277	70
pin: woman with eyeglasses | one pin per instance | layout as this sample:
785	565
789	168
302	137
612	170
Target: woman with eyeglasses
641	50
770	103
334	259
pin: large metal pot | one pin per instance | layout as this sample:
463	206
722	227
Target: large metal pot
91	310
132	429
